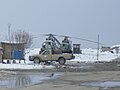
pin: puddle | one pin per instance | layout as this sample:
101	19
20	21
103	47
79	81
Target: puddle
105	84
23	80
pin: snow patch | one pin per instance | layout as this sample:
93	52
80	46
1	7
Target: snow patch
88	55
24	66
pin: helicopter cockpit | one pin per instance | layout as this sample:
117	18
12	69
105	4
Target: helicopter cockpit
66	45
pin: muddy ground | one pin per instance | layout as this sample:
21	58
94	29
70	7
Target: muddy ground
74	76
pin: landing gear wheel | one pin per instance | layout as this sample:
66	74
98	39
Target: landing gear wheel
62	61
36	60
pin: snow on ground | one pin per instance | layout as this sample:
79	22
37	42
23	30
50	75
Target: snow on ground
28	64
88	55
29	52
24	66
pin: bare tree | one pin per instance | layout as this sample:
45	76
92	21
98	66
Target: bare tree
22	37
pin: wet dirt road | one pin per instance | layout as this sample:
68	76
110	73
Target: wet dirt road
79	76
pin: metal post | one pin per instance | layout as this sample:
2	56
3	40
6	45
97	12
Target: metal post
98	49
9	32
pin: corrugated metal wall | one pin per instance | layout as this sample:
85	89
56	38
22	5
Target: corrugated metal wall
1	55
17	54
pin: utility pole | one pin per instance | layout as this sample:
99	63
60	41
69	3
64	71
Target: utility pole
9	32
98	48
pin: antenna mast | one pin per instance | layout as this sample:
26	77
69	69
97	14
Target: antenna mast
9	32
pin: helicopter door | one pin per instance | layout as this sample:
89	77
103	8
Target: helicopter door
46	55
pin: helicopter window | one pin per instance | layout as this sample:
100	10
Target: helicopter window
46	53
63	45
49	43
43	46
44	43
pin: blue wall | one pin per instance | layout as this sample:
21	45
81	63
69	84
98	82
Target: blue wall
17	54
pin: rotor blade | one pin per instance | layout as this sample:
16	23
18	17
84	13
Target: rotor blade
41	35
80	39
87	40
36	36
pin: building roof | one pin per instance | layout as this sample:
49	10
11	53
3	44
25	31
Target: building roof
7	42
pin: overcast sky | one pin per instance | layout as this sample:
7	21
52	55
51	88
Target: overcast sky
77	18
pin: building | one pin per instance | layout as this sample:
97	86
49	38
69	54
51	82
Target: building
116	49
1	54
13	50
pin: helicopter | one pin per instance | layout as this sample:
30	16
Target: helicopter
65	46
52	43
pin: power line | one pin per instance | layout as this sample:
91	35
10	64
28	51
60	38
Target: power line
87	40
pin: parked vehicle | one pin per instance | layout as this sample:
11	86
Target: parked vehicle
50	55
